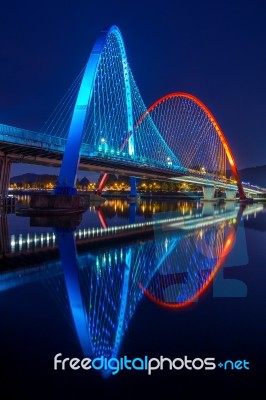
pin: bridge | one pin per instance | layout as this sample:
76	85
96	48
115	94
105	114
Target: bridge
102	124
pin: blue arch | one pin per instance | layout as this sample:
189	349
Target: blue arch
70	163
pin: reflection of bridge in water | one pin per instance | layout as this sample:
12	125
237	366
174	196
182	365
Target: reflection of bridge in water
100	289
28	243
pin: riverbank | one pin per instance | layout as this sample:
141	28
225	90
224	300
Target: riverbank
121	194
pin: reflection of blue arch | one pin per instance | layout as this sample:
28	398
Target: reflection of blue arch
67	248
122	309
123	304
68	256
68	171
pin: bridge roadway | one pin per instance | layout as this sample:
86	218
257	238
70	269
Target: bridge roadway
23	146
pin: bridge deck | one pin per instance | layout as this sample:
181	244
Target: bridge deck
30	147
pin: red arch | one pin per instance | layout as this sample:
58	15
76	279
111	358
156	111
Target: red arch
218	129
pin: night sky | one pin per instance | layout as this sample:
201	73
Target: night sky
215	50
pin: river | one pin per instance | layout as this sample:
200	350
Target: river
172	291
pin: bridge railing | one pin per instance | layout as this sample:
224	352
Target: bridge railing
11	134
112	154
247	186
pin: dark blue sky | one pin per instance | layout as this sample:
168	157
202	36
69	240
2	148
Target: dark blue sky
215	50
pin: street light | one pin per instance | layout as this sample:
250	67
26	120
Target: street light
169	161
103	144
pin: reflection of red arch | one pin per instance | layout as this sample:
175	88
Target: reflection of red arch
226	250
218	129
214	251
101	217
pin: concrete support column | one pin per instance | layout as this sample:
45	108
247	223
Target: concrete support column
231	194
4	175
133	187
208	193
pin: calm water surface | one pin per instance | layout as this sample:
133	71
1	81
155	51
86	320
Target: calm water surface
192	287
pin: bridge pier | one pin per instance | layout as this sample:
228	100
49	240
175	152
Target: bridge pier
133	187
231	195
5	163
208	193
